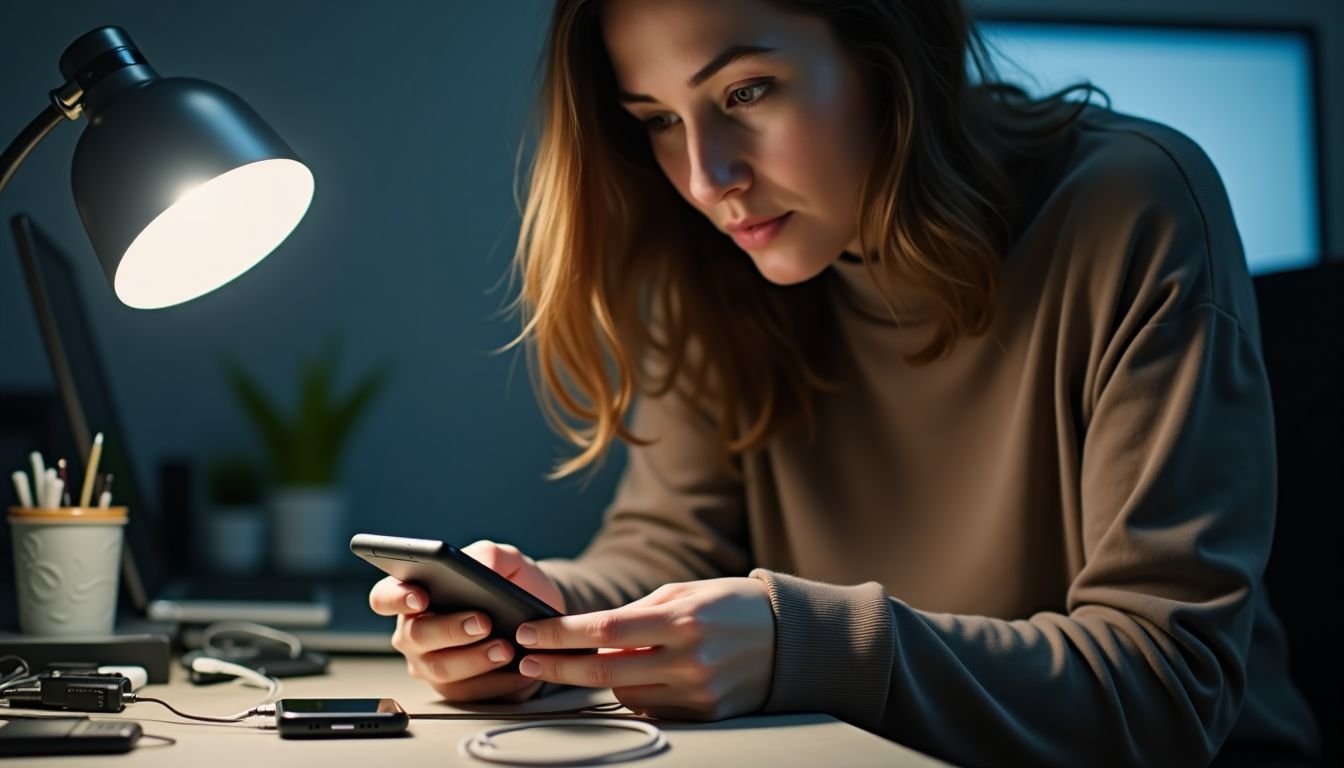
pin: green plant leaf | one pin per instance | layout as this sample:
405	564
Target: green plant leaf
313	446
307	449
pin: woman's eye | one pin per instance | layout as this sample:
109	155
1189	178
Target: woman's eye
659	122
748	95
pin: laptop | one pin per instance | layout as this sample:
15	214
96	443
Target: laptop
160	578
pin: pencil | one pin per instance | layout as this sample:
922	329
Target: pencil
92	469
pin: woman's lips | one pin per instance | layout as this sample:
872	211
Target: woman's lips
759	235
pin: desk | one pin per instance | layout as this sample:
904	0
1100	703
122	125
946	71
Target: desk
773	740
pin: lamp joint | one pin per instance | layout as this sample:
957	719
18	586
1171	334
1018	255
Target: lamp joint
69	99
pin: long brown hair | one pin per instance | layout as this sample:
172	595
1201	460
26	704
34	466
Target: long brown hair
627	289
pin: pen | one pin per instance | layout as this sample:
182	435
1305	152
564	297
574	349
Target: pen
63	498
21	485
44	489
39	475
55	487
105	498
95	453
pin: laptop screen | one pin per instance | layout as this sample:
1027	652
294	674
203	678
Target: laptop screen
88	407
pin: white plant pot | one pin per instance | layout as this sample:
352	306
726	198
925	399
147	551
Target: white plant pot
309	529
236	538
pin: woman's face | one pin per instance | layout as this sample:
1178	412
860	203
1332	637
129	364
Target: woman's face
757	117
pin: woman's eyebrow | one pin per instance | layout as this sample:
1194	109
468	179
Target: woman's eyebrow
726	56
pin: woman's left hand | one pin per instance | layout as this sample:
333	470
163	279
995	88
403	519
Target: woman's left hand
700	650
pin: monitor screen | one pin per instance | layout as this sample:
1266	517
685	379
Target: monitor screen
1246	96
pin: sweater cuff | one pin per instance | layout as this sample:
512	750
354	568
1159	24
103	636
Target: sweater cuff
834	647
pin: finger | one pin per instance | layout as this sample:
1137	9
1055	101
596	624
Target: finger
451	665
597	670
510	562
500	686
625	627
504	559
391	597
421	634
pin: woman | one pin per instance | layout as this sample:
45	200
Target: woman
947	412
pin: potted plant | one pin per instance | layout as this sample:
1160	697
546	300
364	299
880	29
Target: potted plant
305	447
235	519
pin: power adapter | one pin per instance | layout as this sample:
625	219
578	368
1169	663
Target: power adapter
75	693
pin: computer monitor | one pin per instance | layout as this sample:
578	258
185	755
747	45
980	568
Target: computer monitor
1247	96
88	407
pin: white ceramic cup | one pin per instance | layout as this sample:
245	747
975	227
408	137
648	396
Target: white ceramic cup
66	567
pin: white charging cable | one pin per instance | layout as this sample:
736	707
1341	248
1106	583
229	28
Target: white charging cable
209	665
483	746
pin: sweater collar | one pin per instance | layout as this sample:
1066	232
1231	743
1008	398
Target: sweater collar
857	290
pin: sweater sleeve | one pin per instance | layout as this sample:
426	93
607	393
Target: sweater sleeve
678	515
1145	664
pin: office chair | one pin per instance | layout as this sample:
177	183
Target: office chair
1302	327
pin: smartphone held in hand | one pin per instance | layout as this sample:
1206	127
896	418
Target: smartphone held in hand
456	582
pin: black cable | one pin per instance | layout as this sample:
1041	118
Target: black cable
235	719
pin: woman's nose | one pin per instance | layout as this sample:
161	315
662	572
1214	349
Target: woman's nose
717	167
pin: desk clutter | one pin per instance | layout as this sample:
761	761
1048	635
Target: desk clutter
71	693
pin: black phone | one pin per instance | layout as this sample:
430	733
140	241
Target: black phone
328	718
455	581
21	736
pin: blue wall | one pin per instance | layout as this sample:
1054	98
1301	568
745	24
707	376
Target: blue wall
410	117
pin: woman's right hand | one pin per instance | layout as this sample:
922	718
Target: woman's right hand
450	652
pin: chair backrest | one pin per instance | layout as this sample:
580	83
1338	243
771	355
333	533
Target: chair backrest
1302	325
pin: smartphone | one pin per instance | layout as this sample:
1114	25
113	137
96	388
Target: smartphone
328	718
455	581
22	736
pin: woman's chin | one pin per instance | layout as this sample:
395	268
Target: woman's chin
784	268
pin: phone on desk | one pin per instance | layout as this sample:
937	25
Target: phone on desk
455	581
327	718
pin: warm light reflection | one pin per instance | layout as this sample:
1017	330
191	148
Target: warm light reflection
214	233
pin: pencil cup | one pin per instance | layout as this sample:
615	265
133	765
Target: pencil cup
66	564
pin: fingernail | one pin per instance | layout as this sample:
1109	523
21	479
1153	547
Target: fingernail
497	654
527	635
413	602
530	667
473	627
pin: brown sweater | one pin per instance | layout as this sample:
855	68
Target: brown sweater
1045	549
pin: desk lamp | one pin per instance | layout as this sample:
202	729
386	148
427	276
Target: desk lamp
180	185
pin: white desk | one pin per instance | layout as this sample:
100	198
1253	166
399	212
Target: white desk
774	740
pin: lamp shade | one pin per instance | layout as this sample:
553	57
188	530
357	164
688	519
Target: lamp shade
180	184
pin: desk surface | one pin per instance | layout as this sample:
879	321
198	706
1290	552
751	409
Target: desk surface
774	740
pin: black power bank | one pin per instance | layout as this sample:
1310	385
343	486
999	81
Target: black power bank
22	736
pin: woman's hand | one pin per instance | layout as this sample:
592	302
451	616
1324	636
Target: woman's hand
700	650
449	652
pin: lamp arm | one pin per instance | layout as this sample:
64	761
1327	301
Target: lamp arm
24	143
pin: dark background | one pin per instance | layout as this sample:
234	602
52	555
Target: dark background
410	115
